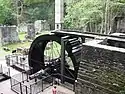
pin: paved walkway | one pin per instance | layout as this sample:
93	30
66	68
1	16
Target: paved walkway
5	87
60	90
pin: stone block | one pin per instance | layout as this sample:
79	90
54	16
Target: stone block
8	34
102	67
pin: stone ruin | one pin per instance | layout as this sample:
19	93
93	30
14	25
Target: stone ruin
22	27
8	34
30	31
102	66
41	25
36	27
119	24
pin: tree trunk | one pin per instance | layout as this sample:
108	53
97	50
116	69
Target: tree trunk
19	8
106	15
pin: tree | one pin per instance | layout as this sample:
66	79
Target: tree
31	10
93	15
81	13
28	2
40	11
6	16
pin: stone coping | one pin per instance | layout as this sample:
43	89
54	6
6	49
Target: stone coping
95	43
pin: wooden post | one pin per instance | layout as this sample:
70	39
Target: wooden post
63	44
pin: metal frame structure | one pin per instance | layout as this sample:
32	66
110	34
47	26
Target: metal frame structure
69	41
18	62
36	52
35	86
4	73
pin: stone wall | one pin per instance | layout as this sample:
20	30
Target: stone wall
41	25
8	34
102	70
30	31
22	27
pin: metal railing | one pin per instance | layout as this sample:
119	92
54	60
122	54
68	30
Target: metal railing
18	61
41	85
4	72
65	83
19	87
35	86
22	85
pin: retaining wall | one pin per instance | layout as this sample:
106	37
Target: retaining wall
102	69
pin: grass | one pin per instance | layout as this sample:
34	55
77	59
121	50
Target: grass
14	46
22	35
3	53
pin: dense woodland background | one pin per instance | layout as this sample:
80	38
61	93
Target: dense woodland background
102	16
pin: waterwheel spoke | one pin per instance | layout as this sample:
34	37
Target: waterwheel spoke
38	62
58	51
69	72
40	49
48	49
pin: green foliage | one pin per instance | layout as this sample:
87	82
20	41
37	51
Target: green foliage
87	13
122	91
33	10
121	1
6	16
83	12
41	11
28	2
